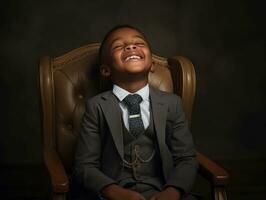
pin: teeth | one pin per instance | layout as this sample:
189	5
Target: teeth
132	57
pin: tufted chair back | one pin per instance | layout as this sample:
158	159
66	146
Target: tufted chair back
67	81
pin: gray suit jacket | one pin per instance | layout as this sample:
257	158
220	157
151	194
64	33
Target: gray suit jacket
99	152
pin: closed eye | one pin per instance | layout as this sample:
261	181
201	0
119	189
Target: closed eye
140	44
117	47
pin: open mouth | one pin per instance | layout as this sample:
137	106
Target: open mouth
132	57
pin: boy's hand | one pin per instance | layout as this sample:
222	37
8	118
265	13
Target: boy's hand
170	193
115	192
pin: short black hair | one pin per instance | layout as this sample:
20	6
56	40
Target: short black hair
109	33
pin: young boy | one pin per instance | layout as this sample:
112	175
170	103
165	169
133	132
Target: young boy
135	143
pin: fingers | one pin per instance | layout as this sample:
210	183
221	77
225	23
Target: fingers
153	198
135	196
142	197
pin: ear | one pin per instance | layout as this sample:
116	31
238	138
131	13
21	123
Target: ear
105	71
152	67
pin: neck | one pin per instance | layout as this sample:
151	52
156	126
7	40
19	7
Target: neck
132	86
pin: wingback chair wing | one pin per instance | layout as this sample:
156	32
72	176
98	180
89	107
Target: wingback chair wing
65	84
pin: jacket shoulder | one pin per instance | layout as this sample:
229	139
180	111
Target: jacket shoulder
167	95
95	100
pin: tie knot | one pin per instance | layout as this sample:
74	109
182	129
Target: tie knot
132	99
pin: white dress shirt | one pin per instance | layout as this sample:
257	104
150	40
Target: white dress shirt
144	92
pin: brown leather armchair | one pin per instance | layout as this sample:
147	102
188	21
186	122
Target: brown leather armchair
65	84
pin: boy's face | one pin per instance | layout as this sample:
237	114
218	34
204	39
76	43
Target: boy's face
126	54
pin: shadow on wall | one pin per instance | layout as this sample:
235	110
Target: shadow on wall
252	133
3	119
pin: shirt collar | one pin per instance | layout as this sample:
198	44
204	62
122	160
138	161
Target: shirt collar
121	93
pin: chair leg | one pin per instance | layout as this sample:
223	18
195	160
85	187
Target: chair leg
218	193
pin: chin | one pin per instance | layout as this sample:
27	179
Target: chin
137	73
137	69
137	65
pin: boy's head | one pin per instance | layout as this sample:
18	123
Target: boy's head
125	54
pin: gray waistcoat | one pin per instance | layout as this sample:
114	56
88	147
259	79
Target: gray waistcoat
142	163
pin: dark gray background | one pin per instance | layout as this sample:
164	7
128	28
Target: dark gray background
224	39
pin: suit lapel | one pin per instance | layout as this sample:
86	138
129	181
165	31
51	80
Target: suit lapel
159	109
112	115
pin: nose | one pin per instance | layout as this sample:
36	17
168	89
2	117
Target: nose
130	47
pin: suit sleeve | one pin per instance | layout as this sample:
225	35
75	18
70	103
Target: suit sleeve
185	165
88	152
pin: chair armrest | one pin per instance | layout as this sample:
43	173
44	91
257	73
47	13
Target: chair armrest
212	171
56	170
